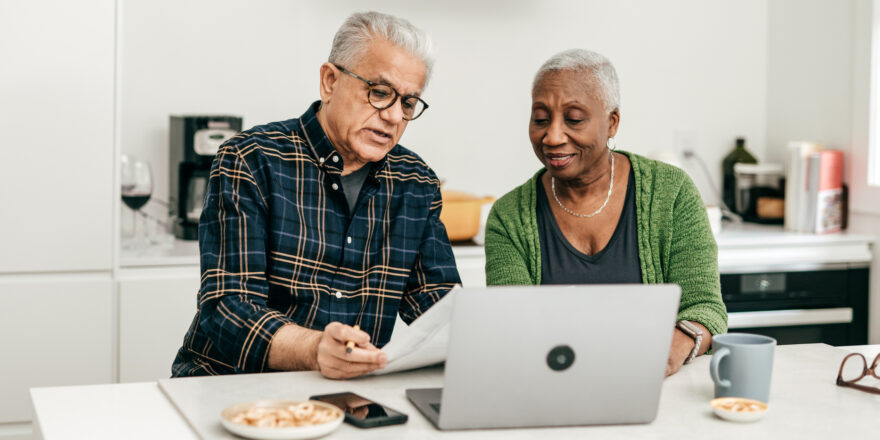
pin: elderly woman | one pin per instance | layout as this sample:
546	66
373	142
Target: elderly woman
596	215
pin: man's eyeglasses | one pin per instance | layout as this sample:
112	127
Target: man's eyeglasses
854	368
382	96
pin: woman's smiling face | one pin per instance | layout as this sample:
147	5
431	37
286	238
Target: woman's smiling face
569	126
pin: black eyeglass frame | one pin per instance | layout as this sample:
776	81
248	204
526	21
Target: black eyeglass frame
393	101
865	372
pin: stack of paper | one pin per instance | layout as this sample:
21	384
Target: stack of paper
423	342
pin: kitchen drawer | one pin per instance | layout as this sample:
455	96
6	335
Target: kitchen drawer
156	307
57	330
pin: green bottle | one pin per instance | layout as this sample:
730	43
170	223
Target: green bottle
738	155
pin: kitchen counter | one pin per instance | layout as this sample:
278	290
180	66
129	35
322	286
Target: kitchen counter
186	253
805	403
740	246
749	247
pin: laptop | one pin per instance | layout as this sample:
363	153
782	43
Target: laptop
529	356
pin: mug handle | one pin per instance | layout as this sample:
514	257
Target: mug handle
713	367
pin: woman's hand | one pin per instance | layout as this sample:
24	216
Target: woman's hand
682	346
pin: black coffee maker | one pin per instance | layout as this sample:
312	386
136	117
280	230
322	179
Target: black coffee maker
194	140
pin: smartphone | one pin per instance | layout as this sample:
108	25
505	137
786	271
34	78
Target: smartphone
362	412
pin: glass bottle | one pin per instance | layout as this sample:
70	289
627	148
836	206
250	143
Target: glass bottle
738	155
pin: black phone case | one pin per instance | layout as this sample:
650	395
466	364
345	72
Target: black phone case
396	419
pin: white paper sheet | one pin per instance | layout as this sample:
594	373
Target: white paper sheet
423	342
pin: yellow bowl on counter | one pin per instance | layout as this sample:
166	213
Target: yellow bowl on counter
461	214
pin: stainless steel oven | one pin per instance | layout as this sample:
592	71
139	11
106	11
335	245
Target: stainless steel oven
800	303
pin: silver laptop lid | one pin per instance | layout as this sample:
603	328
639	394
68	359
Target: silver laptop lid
609	347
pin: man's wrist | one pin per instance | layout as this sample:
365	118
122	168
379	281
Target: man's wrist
294	348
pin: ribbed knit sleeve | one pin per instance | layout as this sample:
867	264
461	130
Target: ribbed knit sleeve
511	254
690	259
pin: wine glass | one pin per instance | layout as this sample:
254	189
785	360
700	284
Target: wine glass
136	179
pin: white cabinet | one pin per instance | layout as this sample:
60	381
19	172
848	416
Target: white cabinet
57	121
156	307
471	263
56	330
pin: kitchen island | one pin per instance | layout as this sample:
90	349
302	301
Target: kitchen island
805	403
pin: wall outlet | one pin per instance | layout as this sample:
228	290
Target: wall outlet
684	142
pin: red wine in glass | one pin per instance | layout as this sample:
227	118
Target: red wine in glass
135	201
136	181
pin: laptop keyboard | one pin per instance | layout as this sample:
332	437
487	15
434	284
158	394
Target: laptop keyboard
435	406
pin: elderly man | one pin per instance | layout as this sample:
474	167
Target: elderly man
319	230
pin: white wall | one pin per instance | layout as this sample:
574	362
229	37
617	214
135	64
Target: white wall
685	65
809	72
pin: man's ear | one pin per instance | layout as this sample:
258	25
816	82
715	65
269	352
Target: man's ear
329	75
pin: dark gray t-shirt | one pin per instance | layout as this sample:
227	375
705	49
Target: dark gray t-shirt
352	184
562	263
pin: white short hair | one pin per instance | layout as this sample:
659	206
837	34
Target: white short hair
351	40
600	70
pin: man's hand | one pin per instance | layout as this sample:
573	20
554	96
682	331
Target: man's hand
682	345
335	363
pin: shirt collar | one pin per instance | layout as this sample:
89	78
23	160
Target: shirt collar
322	150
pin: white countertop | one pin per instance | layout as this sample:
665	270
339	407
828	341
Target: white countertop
746	245
805	403
186	253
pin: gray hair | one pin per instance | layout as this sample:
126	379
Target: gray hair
600	69
359	30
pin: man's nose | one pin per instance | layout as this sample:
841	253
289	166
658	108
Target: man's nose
393	114
555	134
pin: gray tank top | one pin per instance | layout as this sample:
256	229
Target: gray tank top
617	263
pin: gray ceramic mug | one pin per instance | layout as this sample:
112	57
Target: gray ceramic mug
742	365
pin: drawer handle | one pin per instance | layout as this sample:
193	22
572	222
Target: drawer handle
787	318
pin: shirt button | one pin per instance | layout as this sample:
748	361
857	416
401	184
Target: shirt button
321	160
338	295
335	158
335	186
348	240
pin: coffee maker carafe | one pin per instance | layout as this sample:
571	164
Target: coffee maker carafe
194	140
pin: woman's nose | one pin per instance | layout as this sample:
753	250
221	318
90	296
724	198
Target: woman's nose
555	134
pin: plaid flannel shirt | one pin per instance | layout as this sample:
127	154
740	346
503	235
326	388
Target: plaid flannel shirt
278	245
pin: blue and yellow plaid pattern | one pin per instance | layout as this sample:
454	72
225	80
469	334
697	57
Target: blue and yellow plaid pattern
278	245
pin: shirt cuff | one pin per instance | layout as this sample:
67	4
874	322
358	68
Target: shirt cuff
253	356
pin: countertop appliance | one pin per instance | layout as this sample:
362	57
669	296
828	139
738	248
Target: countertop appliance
193	142
760	192
800	304
797	288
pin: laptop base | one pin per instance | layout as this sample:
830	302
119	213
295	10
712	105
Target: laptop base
427	400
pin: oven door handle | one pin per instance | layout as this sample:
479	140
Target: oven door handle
787	318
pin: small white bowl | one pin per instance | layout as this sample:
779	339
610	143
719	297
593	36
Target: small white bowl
738	409
287	433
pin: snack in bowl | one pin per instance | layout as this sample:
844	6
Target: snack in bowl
738	409
281	419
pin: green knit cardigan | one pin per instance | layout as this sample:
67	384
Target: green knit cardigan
676	244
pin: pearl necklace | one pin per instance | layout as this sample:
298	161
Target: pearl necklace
608	197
